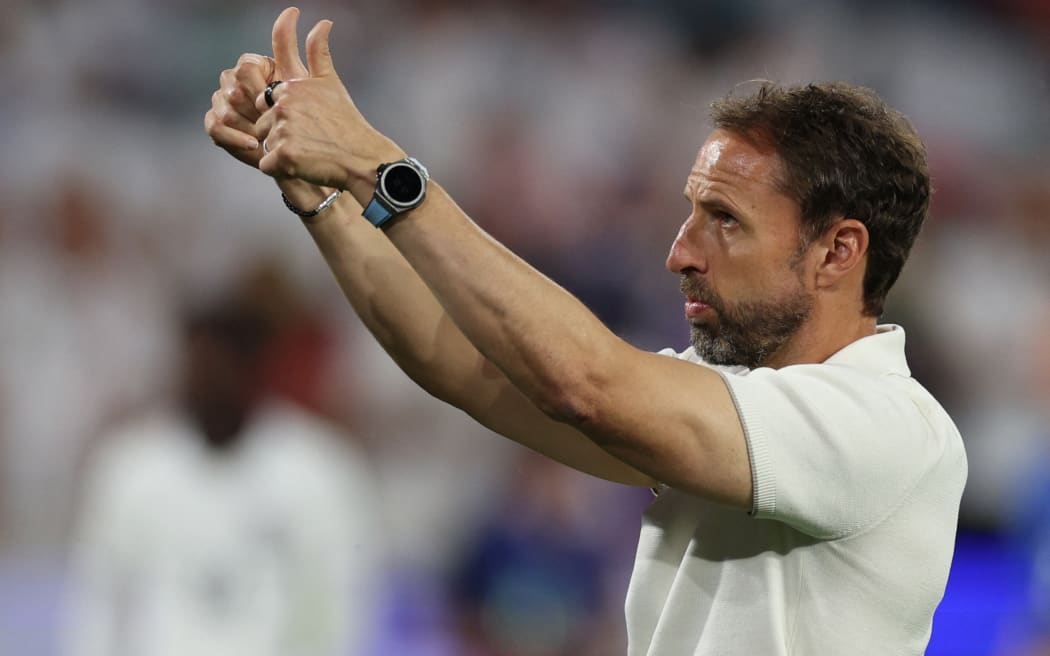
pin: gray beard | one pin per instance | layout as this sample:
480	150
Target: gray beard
747	333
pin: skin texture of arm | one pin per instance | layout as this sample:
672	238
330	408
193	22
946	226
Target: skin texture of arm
516	351
673	420
387	294
406	319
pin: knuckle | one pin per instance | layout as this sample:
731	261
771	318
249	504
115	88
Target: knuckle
244	71
284	163
216	136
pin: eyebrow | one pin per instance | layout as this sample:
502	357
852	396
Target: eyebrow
715	204
711	204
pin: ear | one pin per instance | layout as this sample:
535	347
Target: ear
844	248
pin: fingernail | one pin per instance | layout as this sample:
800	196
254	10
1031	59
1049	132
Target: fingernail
251	144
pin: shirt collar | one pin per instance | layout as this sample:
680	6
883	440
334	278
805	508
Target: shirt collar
881	353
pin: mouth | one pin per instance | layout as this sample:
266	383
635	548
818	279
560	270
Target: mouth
696	303
694	307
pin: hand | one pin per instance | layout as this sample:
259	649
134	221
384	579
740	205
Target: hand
314	131
231	121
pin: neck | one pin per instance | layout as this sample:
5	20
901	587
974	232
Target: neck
823	335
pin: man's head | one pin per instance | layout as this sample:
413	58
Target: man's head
799	191
222	375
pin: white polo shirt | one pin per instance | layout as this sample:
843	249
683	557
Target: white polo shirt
857	473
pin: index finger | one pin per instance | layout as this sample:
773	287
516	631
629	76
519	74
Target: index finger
254	72
250	77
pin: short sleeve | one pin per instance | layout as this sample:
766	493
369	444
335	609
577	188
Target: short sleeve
833	449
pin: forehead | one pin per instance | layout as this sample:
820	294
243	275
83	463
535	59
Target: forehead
734	165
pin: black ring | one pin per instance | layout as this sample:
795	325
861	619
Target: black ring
268	94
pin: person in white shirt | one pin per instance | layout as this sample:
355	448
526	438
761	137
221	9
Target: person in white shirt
233	523
808	488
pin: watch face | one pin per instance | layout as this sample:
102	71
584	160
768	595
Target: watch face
402	184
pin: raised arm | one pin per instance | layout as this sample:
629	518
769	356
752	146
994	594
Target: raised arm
669	419
387	294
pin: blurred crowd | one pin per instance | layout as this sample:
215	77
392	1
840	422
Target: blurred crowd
566	129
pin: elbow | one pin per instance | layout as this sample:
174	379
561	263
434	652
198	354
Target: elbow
573	400
578	390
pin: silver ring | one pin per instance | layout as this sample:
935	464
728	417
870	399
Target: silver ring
266	146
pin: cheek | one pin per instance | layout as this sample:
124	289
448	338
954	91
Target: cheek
737	265
755	276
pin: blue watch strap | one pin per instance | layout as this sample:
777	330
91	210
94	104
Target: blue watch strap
377	213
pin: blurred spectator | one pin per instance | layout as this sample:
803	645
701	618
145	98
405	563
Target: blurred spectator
232	523
533	582
299	364
982	280
1031	514
85	330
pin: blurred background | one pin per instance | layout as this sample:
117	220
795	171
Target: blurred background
566	129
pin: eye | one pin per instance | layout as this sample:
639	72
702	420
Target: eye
725	219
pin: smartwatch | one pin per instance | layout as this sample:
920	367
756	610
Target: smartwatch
400	186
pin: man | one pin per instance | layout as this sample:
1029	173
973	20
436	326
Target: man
808	487
230	523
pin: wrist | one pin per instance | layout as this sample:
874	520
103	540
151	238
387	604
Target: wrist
361	178
307	200
401	186
303	194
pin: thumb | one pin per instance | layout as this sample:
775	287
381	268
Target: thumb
289	65
318	55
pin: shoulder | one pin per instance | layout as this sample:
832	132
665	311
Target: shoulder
140	458
280	420
297	442
156	439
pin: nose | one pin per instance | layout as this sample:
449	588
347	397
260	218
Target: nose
686	250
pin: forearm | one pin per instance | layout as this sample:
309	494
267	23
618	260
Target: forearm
539	335
406	319
660	418
503	306
390	299
485	331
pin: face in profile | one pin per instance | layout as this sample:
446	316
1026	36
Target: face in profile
738	255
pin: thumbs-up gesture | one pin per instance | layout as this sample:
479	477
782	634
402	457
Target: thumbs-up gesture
310	127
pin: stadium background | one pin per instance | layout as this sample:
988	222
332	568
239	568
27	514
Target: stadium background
565	127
